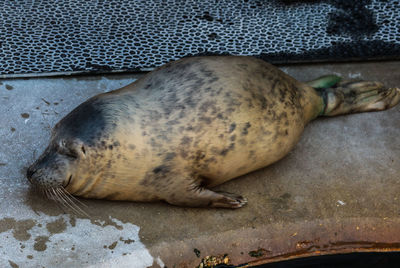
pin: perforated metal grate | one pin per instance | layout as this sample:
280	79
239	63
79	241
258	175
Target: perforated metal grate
52	36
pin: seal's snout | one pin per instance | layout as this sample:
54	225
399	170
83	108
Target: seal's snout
51	170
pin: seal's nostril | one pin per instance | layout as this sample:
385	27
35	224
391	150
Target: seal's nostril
29	173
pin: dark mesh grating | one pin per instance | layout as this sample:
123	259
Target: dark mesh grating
52	36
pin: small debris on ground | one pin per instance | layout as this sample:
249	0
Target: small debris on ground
213	261
259	253
197	252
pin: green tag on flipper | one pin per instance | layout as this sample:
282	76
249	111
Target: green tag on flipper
325	81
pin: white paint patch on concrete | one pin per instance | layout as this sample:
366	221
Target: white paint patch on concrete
354	75
81	244
160	262
340	203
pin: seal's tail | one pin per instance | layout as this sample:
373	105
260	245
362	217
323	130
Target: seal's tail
344	97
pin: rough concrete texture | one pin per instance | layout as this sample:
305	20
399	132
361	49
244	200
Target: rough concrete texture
337	191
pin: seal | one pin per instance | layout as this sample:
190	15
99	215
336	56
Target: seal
188	126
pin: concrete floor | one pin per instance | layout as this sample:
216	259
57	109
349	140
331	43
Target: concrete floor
338	191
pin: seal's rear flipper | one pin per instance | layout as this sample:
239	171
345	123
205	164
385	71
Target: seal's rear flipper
344	97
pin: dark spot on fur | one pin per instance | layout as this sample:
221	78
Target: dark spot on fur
206	119
170	156
232	127
226	150
116	143
155	144
109	164
146	181
264	104
245	130
186	140
208	105
200	155
161	169
110	147
183	154
173	122
132	146
233	138
182	114
252	154
213	79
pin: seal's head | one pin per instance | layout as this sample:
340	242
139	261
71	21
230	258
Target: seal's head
68	147
57	165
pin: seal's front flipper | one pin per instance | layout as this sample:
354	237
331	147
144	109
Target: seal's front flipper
357	96
228	200
197	196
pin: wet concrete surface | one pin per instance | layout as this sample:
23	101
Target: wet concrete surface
337	191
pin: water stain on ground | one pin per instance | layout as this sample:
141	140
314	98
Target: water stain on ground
40	243
126	241
57	226
113	245
106	222
72	221
13	264
39	203
20	228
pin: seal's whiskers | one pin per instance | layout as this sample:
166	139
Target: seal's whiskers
51	196
72	204
73	197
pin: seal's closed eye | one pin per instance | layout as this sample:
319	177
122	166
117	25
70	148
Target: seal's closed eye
65	148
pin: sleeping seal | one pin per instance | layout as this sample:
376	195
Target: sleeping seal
188	126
